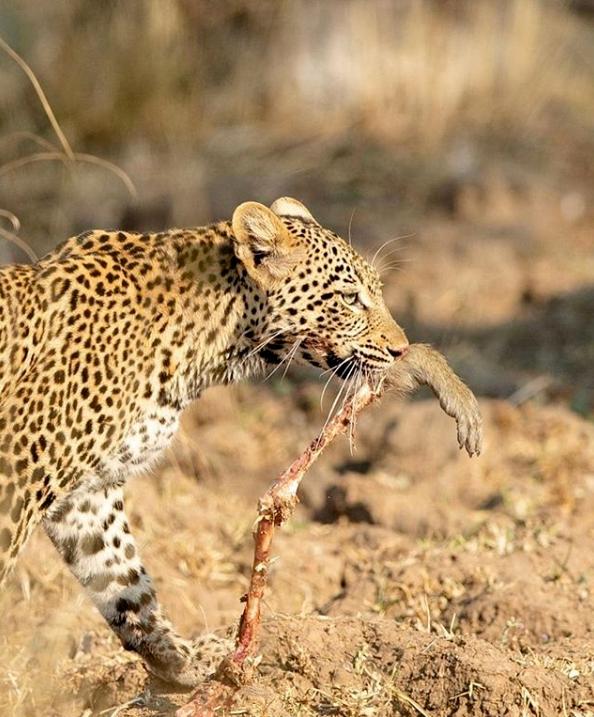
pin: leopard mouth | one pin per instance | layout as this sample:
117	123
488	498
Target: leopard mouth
343	367
319	354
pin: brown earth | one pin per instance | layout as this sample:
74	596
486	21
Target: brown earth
413	580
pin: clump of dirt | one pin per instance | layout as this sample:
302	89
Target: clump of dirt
354	666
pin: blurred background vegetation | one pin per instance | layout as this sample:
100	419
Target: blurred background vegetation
464	126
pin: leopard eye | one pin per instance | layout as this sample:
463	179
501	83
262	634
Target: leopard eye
353	298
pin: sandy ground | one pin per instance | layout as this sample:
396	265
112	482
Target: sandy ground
412	580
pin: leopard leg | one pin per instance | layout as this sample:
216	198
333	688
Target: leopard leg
17	522
90	530
20	513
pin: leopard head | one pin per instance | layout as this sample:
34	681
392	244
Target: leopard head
323	300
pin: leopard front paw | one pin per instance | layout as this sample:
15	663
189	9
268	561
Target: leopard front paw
190	663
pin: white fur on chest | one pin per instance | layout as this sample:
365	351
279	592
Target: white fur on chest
144	444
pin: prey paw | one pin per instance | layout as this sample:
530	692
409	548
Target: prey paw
470	425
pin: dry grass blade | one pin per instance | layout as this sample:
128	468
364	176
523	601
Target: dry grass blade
13	237
41	95
405	699
12	218
91	159
23	135
21	243
53	154
9	167
76	157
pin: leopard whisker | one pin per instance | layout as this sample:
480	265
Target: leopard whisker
394	267
334	370
294	353
350	223
263	343
393	250
290	355
338	395
387	243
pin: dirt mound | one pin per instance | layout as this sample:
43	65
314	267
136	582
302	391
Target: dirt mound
386	669
352	666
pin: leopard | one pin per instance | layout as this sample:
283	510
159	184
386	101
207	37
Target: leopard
110	336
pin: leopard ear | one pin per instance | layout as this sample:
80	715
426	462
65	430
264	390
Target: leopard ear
263	244
289	207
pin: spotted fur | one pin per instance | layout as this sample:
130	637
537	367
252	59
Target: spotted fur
105	340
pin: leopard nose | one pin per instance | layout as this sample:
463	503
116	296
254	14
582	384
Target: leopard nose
396	341
398	351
